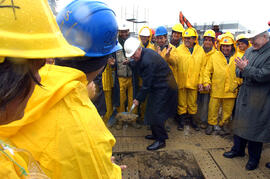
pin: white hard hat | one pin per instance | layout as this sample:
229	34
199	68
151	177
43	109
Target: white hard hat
123	26
258	31
131	45
145	32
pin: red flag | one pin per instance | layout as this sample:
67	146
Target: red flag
183	20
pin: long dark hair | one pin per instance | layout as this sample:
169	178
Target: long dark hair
16	78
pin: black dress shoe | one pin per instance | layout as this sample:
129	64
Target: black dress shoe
232	154
251	165
150	137
156	145
267	164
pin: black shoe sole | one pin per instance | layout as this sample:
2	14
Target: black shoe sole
162	146
148	138
233	156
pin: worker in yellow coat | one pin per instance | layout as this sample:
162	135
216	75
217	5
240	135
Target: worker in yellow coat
168	52
190	60
203	96
176	36
61	127
220	77
22	54
165	49
242	44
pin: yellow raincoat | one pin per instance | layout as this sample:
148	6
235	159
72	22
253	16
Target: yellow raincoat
207	58
172	57
189	69
222	78
190	66
63	130
107	82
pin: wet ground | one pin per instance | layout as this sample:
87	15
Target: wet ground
188	154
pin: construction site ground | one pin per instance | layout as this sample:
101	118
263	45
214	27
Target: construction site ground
188	154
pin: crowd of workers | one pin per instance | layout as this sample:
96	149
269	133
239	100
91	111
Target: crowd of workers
49	127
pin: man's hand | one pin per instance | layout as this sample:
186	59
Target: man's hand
241	63
169	49
91	88
111	61
158	50
121	166
200	87
136	102
207	88
125	62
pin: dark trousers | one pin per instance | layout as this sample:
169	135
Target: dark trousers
159	132
203	102
254	148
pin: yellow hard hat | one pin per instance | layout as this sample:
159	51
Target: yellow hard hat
241	36
209	33
229	34
28	29
226	40
178	28
190	32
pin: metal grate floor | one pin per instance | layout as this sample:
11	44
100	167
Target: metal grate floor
207	151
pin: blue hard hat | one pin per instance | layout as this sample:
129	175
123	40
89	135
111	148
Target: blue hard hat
91	26
161	30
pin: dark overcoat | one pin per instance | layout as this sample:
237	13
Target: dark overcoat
252	112
158	85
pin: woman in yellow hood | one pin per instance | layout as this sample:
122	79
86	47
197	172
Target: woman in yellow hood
22	54
220	77
61	127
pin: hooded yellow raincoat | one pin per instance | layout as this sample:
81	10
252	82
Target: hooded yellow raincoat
63	130
207	58
172	57
189	69
222	78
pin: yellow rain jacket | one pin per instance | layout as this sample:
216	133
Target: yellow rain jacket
63	130
241	53
107	79
150	44
189	66
172	57
221	76
207	57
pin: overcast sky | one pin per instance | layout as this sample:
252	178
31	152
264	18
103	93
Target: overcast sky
166	12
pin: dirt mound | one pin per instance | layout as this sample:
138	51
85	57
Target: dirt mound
161	164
